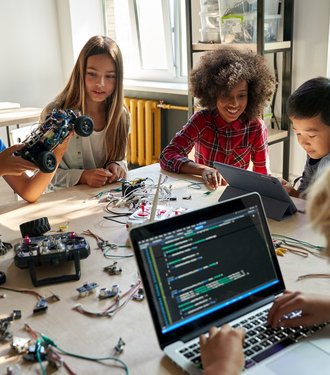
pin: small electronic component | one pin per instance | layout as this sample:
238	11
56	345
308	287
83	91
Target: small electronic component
87	289
20	344
16	314
54	297
109	293
40	306
129	186
139	295
5	334
35	352
113	269
119	348
4	247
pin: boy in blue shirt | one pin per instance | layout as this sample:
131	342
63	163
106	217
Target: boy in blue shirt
309	110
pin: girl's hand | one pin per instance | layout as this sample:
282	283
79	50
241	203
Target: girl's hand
212	178
222	351
14	165
95	177
313	308
117	172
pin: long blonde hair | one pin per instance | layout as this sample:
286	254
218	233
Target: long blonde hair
73	96
318	205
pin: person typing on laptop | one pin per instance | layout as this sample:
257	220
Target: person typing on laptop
232	86
222	349
308	109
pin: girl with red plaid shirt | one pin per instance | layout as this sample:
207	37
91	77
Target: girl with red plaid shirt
233	86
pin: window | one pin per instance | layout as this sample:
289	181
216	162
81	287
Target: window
150	36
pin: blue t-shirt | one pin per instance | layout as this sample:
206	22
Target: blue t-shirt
2	145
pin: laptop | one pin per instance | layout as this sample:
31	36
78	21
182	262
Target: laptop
217	265
277	202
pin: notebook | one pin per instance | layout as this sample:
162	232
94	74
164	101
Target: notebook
277	202
213	266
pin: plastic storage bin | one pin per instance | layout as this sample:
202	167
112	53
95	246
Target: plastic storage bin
210	35
238	21
239	28
271	27
209	20
209	6
210	30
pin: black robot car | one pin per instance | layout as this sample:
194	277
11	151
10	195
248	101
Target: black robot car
42	140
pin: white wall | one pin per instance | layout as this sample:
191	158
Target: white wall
40	40
30	63
78	21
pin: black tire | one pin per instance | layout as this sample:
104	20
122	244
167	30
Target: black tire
2	278
46	162
35	228
83	126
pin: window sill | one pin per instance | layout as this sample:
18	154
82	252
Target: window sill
159	87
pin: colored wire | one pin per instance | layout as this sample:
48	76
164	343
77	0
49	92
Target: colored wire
314	276
110	218
96	359
297	243
108	255
115	306
26	291
46	341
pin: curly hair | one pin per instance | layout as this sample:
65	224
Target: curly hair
222	69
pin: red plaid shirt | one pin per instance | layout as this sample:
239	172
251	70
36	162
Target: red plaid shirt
236	143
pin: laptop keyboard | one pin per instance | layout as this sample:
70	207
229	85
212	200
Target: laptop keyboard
261	341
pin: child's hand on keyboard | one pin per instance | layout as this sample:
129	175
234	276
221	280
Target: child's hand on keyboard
315	309
222	351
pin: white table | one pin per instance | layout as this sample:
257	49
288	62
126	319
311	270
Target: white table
97	336
17	116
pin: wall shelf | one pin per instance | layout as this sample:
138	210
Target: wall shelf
284	79
269	47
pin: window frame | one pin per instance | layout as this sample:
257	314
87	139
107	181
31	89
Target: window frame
175	58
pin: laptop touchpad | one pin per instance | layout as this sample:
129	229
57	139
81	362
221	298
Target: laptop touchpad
305	359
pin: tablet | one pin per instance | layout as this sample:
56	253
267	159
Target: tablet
277	202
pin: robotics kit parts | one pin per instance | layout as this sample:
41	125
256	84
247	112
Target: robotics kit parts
139	295
20	344
36	352
4	247
119	348
2	277
47	136
109	293
87	289
41	306
113	269
51	249
35	228
129	186
5	334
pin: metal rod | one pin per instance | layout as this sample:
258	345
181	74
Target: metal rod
170	106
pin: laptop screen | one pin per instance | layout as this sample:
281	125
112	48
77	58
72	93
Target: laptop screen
206	263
